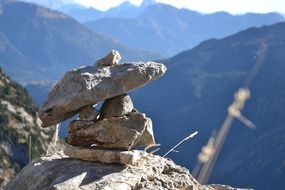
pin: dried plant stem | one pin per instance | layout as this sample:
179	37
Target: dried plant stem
155	150
56	134
183	140
30	148
151	146
219	141
53	146
234	111
196	169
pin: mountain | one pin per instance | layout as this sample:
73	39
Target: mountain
18	122
128	10
167	30
11	57
82	14
39	90
70	7
42	44
195	94
52	4
124	10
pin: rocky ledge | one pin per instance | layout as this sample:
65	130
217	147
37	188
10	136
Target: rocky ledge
150	172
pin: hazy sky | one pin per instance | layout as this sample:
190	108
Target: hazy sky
207	6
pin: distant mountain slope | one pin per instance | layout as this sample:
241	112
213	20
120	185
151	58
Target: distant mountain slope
10	58
18	122
52	4
168	30
84	14
124	10
44	43
196	91
39	90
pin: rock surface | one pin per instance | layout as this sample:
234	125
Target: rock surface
113	58
76	125
117	106
88	113
102	155
116	132
58	172
90	85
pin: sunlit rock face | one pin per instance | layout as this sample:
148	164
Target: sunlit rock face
92	84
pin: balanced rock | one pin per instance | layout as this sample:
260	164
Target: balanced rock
122	132
88	113
90	85
117	106
113	58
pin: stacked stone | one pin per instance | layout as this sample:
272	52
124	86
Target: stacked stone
109	134
117	126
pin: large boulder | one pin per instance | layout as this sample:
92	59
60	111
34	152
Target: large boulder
115	132
92	84
58	172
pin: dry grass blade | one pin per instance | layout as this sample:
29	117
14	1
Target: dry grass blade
183	140
54	145
154	151
30	148
151	146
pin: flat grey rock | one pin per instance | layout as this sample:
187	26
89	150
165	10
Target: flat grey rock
121	133
117	106
103	155
92	84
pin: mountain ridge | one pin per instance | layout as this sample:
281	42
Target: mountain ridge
51	42
85	13
171	30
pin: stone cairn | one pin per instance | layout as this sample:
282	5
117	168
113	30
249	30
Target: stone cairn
110	134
